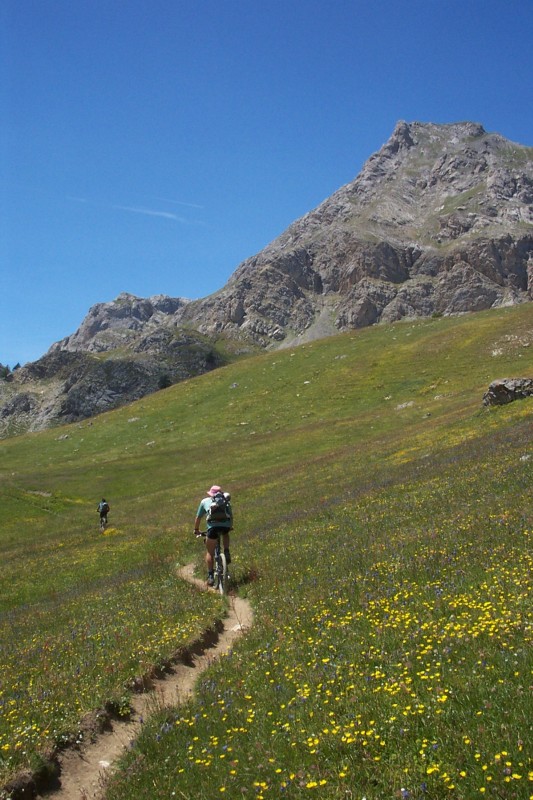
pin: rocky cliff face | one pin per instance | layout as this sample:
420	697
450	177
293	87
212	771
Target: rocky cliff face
103	366
121	323
439	221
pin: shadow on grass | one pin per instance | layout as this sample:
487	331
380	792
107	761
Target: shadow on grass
243	579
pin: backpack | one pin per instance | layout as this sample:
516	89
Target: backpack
219	510
103	508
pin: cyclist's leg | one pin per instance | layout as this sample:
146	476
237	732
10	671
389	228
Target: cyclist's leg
225	542
210	545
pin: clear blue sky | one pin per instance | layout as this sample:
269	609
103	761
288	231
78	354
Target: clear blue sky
150	146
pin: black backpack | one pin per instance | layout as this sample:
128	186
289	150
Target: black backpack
219	510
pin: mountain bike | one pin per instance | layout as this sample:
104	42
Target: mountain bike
220	567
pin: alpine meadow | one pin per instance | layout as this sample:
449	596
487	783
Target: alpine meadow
383	531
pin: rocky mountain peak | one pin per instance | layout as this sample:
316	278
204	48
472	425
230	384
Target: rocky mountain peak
438	221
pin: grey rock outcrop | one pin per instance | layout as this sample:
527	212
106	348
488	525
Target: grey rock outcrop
507	390
118	323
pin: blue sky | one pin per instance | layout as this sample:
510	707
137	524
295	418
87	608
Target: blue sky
150	146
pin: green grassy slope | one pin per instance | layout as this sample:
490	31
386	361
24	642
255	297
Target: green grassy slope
388	518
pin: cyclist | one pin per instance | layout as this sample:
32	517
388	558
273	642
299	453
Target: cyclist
103	509
215	528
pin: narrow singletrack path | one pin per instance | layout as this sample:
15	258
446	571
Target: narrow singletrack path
84	770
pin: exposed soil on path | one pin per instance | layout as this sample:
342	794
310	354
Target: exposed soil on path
83	770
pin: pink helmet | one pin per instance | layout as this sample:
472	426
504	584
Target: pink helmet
214	490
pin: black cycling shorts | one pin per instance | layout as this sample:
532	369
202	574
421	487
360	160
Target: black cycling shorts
215	533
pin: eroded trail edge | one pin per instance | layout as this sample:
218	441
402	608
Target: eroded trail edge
83	770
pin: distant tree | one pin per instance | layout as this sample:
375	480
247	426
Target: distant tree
17	366
5	372
164	381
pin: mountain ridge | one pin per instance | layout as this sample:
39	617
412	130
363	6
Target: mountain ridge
438	221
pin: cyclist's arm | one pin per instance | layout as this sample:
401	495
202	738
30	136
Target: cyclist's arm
199	514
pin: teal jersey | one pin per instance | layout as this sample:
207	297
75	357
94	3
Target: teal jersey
203	510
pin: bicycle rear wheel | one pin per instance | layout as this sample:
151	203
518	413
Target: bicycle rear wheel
221	572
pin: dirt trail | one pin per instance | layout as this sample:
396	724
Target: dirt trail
83	771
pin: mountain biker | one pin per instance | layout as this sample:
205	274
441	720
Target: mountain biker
215	529
103	509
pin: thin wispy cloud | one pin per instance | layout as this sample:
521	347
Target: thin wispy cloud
146	211
151	212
